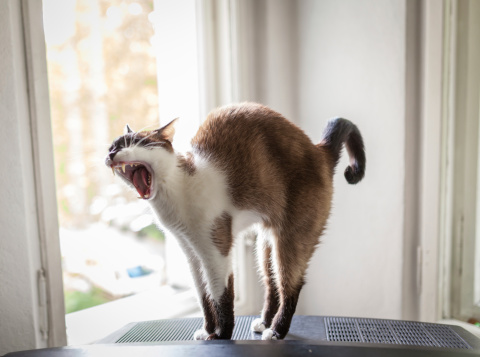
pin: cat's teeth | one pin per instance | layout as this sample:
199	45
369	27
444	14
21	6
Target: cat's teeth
123	168
113	171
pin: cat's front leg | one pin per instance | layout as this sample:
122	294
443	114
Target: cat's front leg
212	274
208	317
215	253
202	294
218	277
223	310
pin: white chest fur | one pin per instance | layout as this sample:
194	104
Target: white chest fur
188	204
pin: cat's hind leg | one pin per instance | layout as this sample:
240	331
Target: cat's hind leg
271	303
290	262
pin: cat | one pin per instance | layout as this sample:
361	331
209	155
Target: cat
247	165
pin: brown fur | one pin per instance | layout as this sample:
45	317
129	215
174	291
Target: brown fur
209	321
273	168
272	301
270	165
187	163
220	314
222	234
225	319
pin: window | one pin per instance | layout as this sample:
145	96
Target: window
102	64
462	251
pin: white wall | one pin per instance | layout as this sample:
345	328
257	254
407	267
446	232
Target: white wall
312	60
352	64
19	242
275	60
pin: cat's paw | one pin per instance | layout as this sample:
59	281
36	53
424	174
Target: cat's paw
212	336
200	335
258	325
269	334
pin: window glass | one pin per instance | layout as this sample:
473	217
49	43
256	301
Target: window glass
102	75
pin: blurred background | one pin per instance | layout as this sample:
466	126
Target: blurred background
110	246
402	244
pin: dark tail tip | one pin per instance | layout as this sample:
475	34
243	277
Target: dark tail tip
341	131
353	174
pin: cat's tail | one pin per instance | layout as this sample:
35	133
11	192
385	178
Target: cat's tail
338	132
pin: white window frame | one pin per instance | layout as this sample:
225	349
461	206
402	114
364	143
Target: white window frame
50	276
430	62
449	161
27	281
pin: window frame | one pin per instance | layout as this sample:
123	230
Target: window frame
464	98
50	283
431	42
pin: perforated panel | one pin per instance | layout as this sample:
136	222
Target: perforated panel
392	332
180	330
337	329
162	330
242	328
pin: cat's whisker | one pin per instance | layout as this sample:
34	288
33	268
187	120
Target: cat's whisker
153	145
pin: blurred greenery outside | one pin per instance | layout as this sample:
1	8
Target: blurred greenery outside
77	300
102	75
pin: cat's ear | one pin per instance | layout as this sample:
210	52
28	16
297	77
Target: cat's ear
127	130
168	131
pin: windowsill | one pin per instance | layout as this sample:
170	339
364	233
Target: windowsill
89	325
469	327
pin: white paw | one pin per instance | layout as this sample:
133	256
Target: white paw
268	335
257	325
200	335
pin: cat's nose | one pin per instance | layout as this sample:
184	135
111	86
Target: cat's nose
109	159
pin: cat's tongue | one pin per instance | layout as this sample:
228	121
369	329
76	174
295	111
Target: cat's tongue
140	181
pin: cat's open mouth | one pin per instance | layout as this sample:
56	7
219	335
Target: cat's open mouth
139	174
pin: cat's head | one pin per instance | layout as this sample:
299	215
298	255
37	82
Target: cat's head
142	158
